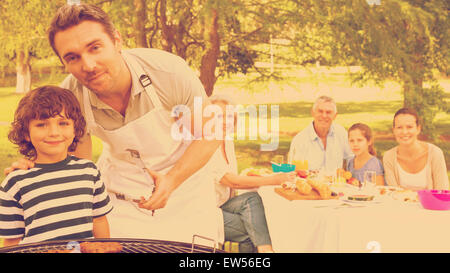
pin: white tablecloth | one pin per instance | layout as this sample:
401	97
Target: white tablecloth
329	226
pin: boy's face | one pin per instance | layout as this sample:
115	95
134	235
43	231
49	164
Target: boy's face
90	55
51	138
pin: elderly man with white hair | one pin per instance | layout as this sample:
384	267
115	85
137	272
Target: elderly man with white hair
323	143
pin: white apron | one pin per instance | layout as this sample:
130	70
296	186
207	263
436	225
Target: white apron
191	208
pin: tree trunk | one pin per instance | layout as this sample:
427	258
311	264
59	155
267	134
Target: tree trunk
139	28
166	29
23	72
209	60
413	84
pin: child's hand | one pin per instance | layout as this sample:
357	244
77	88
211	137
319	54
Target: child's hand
285	177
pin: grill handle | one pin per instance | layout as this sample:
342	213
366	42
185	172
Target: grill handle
202	237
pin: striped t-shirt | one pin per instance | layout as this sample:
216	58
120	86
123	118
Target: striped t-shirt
52	201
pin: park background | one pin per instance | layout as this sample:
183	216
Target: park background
372	57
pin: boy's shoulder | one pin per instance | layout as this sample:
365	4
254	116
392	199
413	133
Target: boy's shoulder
15	176
19	174
82	162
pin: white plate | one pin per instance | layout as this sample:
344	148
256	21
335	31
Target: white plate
389	190
373	201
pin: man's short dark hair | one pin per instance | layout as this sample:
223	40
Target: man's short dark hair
71	15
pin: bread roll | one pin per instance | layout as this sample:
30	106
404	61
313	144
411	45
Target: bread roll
322	188
303	187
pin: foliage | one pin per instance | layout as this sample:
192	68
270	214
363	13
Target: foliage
403	40
184	28
235	59
24	23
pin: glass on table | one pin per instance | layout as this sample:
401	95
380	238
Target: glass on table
338	177
301	164
370	180
278	159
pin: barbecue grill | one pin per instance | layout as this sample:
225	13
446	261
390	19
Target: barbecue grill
128	246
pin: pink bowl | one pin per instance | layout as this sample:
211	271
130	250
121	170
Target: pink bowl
435	199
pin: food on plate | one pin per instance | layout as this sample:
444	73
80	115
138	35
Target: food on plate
91	247
399	194
354	182
303	187
347	175
386	190
306	189
302	173
288	185
322	188
100	247
360	197
58	251
343	176
408	196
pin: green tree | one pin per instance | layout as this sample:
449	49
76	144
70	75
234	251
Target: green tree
403	40
214	36
23	31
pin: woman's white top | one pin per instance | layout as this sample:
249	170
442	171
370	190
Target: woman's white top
223	193
413	180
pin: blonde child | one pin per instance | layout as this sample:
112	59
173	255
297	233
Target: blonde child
362	145
243	215
62	197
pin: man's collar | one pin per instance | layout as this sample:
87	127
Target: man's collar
94	100
136	86
312	132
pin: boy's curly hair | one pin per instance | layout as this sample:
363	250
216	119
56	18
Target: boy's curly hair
42	103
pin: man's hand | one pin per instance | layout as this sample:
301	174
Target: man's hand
164	186
22	164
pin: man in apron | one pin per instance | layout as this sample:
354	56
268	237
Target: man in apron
127	97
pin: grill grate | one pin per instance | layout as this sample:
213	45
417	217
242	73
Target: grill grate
128	246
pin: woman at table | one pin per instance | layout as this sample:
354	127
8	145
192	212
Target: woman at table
243	215
413	164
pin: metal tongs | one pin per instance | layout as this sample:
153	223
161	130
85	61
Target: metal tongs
136	156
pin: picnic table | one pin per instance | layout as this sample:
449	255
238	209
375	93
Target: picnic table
334	226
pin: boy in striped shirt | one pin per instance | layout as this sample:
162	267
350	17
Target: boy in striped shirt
62	197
